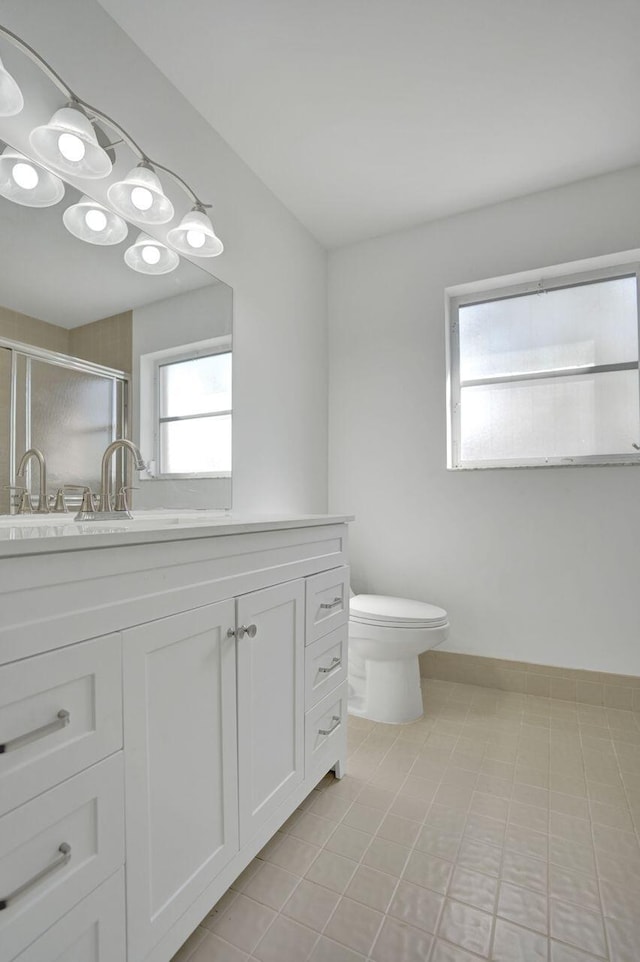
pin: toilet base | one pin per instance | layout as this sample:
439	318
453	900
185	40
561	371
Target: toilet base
386	691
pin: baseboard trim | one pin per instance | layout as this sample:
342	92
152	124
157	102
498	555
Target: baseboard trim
566	684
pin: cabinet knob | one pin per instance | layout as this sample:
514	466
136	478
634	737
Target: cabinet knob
239	633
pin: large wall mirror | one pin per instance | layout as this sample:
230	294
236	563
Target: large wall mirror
91	350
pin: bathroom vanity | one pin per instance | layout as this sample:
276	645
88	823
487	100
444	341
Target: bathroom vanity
171	688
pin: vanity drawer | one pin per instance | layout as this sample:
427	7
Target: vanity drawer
327	602
325	665
56	849
93	931
59	713
326	732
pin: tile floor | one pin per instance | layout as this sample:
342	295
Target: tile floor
501	826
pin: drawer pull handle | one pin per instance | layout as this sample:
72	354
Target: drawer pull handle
62	718
327	605
335	662
335	721
62	859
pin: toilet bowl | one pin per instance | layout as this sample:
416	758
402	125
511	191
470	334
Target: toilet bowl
386	635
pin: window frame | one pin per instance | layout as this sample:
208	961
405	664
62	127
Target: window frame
537	282
150	365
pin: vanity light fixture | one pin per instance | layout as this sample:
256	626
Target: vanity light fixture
27	183
11	99
92	222
150	256
195	235
140	196
75	142
68	143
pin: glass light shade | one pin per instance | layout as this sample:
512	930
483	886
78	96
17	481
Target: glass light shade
27	183
68	143
11	99
140	197
195	236
91	222
150	256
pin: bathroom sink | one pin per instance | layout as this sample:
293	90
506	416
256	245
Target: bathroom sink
20	527
156	517
182	516
35	520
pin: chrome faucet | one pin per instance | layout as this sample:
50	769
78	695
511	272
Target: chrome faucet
104	505
43	504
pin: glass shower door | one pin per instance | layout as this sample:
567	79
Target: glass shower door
70	412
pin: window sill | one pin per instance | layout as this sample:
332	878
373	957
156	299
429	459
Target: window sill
188	477
612	462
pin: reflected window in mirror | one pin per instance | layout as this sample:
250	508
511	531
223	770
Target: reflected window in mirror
188	399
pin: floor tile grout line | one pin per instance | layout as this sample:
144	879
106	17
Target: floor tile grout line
635	822
361	861
278	912
436	935
301	879
342	894
412	848
595	856
493	727
607	938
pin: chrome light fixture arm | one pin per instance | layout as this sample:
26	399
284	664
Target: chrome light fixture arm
194	197
96	114
40	62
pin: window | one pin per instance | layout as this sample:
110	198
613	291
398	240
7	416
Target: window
191	392
194	424
546	373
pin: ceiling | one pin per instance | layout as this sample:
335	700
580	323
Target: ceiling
366	116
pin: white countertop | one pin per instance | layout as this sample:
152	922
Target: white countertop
48	533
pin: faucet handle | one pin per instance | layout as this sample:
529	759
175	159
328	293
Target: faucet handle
87	508
57	504
122	503
22	498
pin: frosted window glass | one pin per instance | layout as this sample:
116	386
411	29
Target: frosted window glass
72	421
589	414
198	386
577	326
196	446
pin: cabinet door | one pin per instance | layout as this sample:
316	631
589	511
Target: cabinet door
181	765
270	701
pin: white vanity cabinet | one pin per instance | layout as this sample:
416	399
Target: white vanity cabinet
204	673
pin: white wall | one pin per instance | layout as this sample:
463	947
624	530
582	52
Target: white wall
540	565
277	271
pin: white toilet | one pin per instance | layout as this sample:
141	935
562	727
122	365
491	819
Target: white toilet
386	635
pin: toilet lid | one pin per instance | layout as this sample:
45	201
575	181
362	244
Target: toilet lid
384	610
